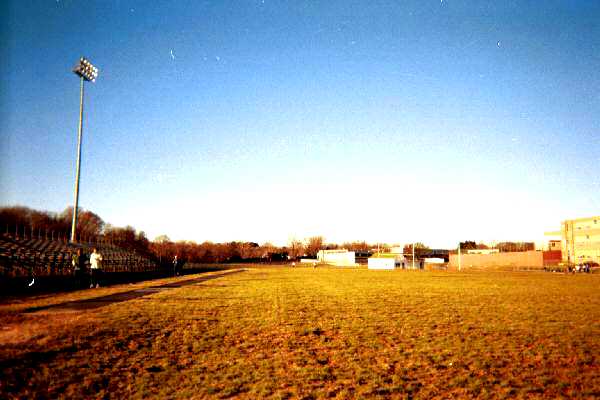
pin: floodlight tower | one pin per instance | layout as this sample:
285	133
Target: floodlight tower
86	72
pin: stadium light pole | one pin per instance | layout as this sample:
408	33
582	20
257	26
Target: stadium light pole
86	72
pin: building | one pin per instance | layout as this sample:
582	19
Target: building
483	251
554	245
580	240
362	257
397	250
409	263
382	261
531	259
385	260
340	258
434	263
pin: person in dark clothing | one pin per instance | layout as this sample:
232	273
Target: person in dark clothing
78	263
175	266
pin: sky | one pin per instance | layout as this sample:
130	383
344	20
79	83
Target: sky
385	121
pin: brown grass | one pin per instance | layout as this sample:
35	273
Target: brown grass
324	333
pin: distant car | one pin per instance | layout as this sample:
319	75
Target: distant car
588	266
591	266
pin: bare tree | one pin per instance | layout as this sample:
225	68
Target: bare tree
295	248
408	248
357	246
160	246
313	245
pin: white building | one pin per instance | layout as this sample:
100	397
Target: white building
382	262
483	251
340	258
385	261
397	250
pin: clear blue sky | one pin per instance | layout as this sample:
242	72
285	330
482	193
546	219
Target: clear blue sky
391	121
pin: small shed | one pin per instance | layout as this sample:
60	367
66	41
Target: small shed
382	261
434	263
339	258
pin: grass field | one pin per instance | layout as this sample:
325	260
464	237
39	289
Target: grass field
325	333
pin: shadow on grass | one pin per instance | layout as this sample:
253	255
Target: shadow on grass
18	287
20	368
96	302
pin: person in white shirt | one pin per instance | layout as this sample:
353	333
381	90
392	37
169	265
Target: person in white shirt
95	268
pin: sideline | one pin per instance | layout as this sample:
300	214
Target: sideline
96	302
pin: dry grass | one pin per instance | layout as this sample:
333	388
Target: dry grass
304	333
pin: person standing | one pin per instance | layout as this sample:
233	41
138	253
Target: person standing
95	268
175	266
78	262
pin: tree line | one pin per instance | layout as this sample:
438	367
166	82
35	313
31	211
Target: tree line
92	228
503	247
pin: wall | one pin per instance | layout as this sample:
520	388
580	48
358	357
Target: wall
552	257
382	263
337	257
522	259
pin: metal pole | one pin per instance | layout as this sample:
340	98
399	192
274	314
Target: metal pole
75	206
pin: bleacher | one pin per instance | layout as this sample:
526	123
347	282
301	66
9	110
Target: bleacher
22	256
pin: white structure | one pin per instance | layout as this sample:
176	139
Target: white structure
409	263
340	258
483	251
434	260
382	263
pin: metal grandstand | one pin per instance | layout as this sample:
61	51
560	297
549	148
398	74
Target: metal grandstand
22	256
